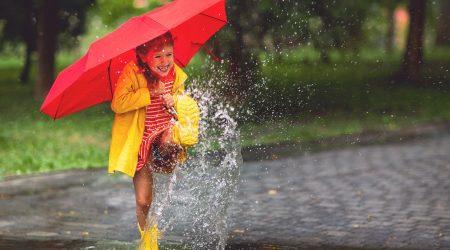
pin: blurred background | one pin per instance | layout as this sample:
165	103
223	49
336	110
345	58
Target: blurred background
297	72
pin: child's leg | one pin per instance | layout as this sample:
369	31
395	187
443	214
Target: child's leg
143	188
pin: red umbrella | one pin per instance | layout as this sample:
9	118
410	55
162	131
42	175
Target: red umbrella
91	80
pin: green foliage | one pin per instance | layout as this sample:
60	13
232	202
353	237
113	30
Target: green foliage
304	100
324	24
114	12
14	17
339	23
17	15
73	17
258	26
354	83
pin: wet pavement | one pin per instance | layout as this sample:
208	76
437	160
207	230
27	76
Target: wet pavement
392	196
389	196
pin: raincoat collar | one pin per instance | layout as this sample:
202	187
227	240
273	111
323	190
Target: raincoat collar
180	78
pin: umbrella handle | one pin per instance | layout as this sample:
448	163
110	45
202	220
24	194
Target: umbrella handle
173	112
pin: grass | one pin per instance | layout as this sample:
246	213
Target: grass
301	100
296	130
31	142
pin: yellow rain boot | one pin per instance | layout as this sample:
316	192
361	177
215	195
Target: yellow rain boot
185	130
149	238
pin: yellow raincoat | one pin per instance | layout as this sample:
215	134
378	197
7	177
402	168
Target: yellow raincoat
129	101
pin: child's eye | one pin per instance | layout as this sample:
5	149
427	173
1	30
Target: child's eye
157	57
169	54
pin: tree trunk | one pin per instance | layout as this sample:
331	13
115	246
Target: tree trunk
443	26
390	34
413	58
242	65
30	41
46	45
25	74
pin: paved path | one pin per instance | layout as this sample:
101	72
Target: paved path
376	197
394	196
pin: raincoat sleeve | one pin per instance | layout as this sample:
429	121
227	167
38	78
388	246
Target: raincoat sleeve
179	83
178	92
129	94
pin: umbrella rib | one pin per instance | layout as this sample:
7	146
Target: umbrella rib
214	17
109	77
59	104
180	63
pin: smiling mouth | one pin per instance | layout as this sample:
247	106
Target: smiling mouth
163	68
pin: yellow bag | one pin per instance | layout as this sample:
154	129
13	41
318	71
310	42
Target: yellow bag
185	130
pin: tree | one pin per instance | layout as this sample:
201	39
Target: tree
240	59
339	25
59	22
255	26
55	16
413	58
390	33
46	44
29	35
20	26
261	25
390	6
443	27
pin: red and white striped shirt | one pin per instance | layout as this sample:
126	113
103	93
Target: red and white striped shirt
157	119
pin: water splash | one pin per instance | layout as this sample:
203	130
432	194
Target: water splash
190	205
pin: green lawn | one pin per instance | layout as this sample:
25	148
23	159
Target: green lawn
32	142
307	101
301	101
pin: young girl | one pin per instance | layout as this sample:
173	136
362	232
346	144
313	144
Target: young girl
154	123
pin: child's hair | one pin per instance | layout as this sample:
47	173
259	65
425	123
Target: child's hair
143	49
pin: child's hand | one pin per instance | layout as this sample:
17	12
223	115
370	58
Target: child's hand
168	101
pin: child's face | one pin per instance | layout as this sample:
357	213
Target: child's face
160	61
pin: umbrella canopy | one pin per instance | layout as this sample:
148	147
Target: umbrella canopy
91	80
